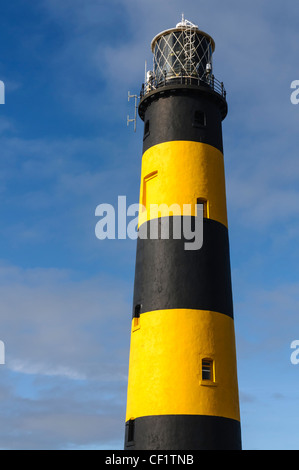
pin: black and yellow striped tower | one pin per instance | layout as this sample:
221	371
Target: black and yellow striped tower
182	385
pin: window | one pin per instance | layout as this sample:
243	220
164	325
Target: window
207	372
136	317
130	432
204	203
137	311
199	119
146	189
146	129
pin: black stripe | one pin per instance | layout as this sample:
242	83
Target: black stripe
183	432
172	116
168	277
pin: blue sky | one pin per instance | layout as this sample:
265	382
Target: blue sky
66	296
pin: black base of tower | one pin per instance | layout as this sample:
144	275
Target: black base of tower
183	432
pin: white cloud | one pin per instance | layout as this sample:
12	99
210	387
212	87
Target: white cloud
69	340
63	414
18	365
54	325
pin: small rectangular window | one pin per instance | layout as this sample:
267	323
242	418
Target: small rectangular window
131	431
136	317
146	180
207	369
204	202
146	129
137	311
199	119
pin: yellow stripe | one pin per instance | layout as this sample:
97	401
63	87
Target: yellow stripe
180	172
165	372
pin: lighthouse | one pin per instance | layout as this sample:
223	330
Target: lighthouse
182	383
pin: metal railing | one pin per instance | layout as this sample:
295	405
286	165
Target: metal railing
207	81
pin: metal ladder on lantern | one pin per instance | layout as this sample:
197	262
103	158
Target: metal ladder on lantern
189	48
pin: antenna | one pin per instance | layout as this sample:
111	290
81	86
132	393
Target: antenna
186	23
135	112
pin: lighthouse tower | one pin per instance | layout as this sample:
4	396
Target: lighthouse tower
182	386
